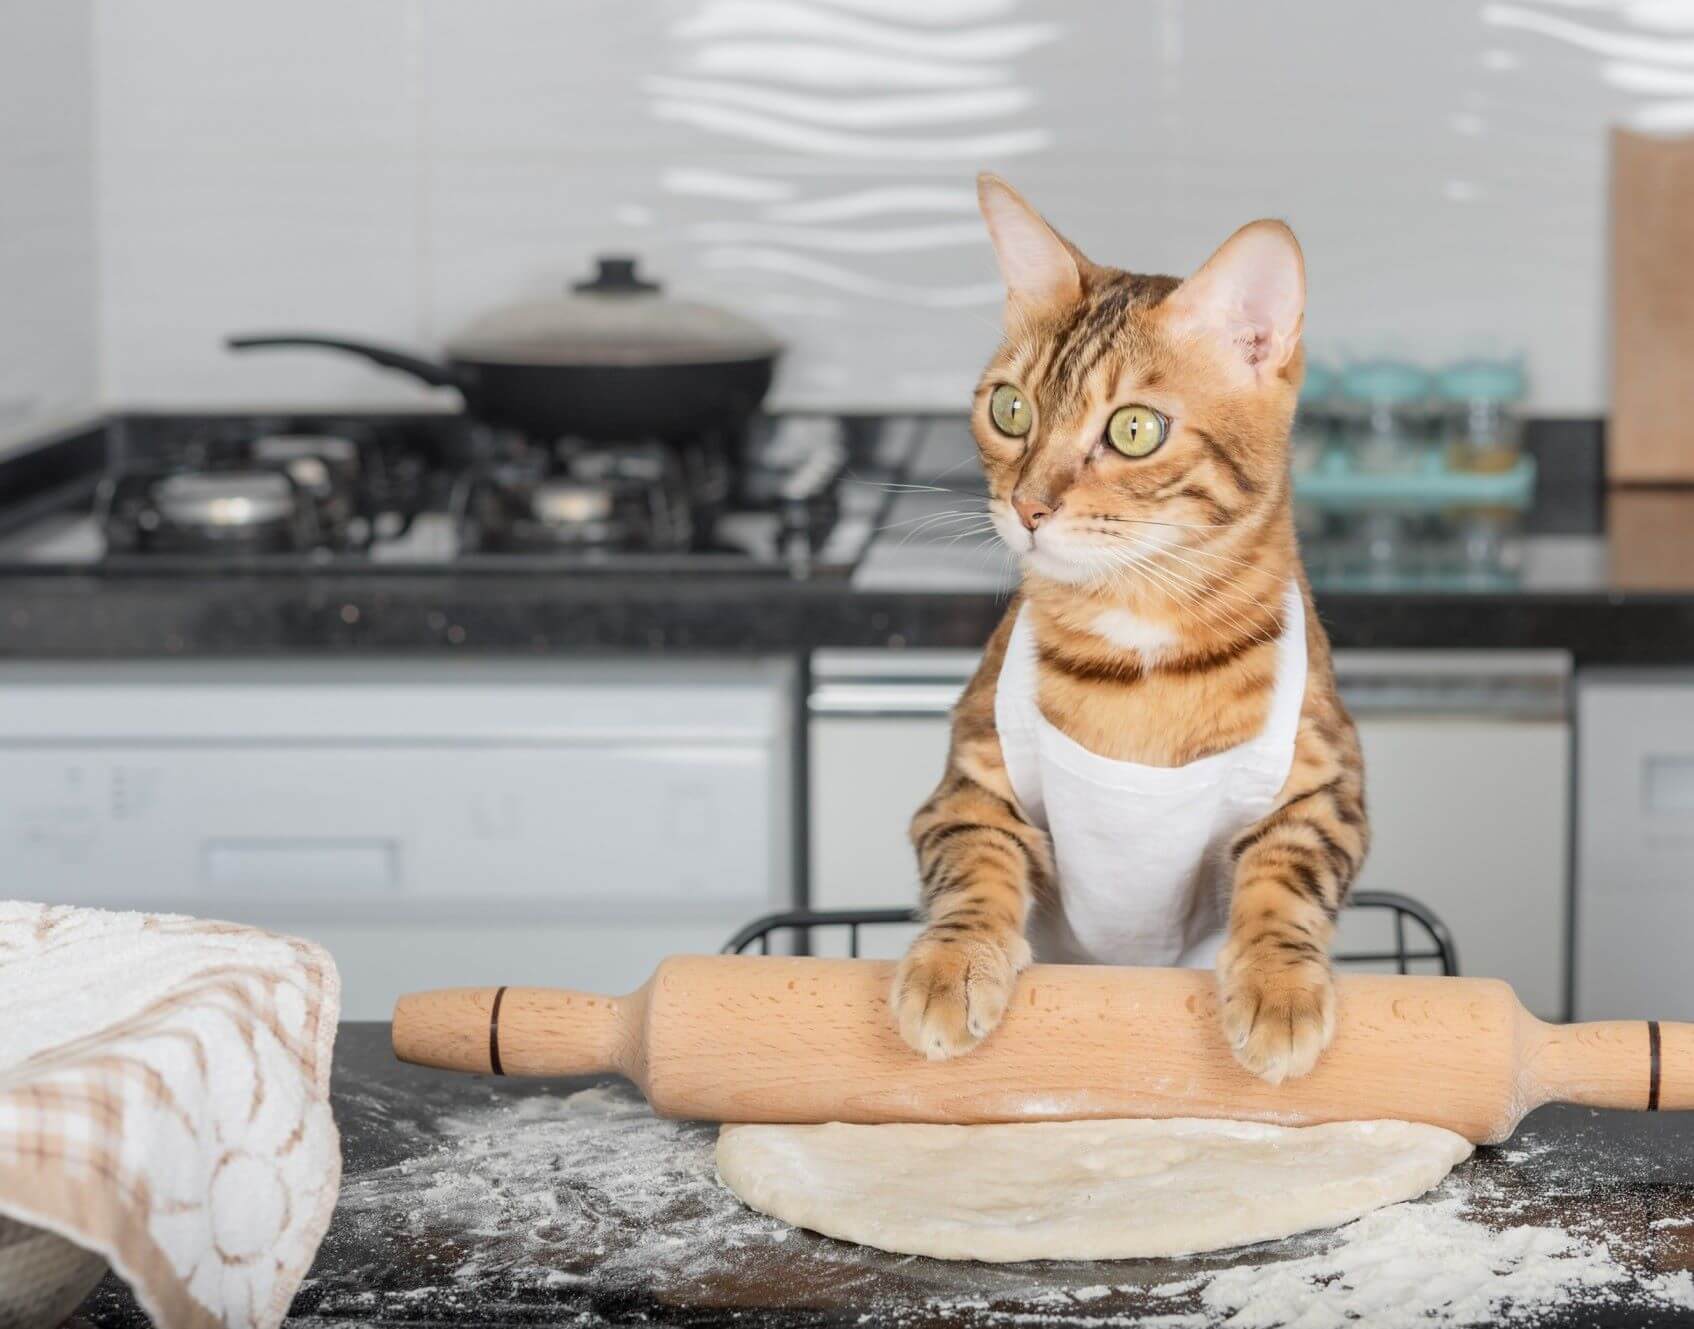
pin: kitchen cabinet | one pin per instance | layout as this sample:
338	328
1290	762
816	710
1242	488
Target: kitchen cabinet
1468	774
1469	801
1635	844
431	822
879	733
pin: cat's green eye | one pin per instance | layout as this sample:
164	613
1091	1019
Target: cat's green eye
1009	411
1136	431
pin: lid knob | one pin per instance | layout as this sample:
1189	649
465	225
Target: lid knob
615	275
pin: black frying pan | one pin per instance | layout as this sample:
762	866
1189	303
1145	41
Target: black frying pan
613	362
607	403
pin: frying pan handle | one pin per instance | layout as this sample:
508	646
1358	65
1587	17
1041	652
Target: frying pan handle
431	372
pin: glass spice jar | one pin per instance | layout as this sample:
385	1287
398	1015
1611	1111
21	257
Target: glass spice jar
1480	421
1386	419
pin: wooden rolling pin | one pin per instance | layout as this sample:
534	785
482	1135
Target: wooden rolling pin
765	1038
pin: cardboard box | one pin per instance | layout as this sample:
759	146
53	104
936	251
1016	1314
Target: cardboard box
1651	434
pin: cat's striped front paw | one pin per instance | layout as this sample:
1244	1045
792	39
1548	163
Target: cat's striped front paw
1278	1015
951	990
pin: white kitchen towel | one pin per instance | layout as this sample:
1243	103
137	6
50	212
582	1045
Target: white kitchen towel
164	1100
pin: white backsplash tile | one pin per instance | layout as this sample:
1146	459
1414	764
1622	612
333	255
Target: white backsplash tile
47	343
194	249
532	77
392	168
259	168
310	77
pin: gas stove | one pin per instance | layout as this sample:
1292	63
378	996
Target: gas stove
227	489
799	495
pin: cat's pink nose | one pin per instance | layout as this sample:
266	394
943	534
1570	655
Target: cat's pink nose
1032	511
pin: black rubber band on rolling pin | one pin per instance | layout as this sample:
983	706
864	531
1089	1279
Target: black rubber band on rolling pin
494	1043
1653	1065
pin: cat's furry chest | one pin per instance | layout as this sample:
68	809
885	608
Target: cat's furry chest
1104	680
1167	722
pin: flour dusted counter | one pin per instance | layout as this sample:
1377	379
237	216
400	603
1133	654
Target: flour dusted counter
472	1201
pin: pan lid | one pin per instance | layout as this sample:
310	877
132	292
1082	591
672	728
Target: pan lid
615	318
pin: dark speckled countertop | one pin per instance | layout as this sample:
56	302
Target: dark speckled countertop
105	617
468	1200
1608	578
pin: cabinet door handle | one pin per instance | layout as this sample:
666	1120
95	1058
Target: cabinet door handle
1667	784
885	699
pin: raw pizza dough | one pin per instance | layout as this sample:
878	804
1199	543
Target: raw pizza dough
1079	1190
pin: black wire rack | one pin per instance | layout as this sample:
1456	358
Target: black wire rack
1410	918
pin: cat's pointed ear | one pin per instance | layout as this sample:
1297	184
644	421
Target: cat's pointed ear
1250	296
1038	266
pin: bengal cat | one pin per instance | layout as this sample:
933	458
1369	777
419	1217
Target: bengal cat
1134	434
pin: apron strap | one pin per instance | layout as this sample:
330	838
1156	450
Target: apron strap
1016	715
1289	697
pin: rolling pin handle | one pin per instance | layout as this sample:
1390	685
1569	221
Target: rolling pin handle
1672	1056
513	1031
1645	1065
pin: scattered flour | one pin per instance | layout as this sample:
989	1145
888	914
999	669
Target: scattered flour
558	1190
1421	1264
555	1198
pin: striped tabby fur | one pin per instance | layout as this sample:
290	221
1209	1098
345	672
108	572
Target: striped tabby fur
1156	590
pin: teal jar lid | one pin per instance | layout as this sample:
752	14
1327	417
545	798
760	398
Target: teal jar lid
1389	382
1498	382
1319	384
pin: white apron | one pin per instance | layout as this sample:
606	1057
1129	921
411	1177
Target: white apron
1142	851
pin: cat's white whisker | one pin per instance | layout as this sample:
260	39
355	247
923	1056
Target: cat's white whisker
1174	525
1143	552
1225	586
1223	579
1213	584
1202	552
935	521
968	532
989	546
1210	583
1141	542
901	486
1011	567
1127	567
1191	595
963	461
1220	599
937	533
929	531
930	516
